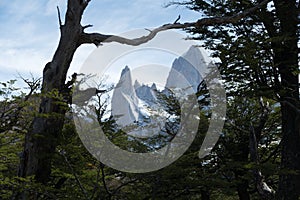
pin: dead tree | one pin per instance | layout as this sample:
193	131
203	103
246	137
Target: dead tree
42	138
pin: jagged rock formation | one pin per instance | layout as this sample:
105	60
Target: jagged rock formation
124	100
136	104
183	74
146	93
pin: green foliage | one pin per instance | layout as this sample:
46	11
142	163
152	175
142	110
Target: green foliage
248	57
246	61
77	175
16	114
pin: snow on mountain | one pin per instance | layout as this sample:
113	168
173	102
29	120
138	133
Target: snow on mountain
146	93
124	100
183	74
136	105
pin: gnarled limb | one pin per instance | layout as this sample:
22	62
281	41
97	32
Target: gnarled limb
41	141
98	38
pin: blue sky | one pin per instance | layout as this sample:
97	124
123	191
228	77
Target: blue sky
29	29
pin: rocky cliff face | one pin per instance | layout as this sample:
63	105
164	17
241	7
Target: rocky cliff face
183	74
124	100
136	104
146	93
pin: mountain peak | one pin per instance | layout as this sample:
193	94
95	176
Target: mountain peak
125	70
195	57
125	101
153	86
136	84
186	71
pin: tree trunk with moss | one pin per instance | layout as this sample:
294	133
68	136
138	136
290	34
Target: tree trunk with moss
41	140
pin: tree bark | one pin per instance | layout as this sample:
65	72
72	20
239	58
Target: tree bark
287	86
289	183
242	184
41	140
263	189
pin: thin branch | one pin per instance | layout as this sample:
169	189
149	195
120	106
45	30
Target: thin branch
33	85
177	20
264	190
11	141
59	17
124	184
98	38
176	3
104	181
87	26
97	182
273	153
75	175
237	127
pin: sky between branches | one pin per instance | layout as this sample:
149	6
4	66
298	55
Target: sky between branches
30	32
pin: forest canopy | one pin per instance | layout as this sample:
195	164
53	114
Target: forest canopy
255	47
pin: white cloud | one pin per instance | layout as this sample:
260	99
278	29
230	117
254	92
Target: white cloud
29	29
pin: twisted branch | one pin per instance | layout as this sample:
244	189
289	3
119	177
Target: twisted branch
98	38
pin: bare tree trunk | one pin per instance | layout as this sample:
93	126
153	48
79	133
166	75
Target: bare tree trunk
41	140
263	189
286	61
242	183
